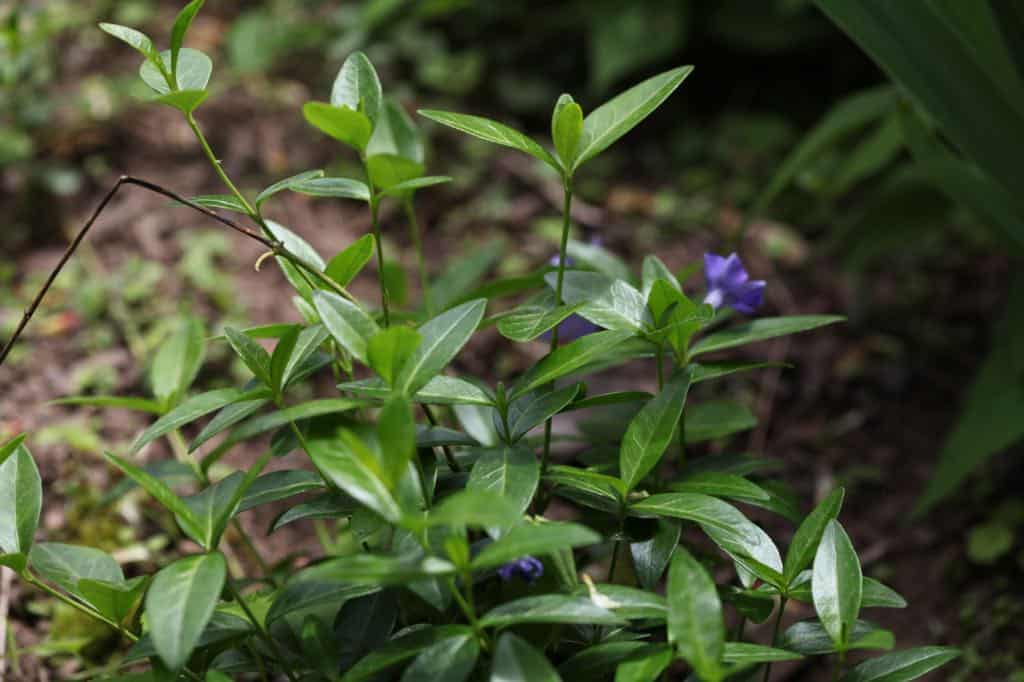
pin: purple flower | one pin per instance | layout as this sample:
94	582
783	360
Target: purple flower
730	285
528	568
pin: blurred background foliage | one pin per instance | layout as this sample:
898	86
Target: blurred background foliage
878	135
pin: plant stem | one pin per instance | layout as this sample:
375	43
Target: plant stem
659	358
417	242
466	606
775	635
566	225
449	457
261	631
215	162
682	439
375	224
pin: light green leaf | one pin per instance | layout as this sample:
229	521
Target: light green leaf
380	569
695	624
346	125
187	101
357	87
450	660
395	133
534	539
566	129
805	541
163	494
618	116
252	354
193	73
115	600
335	459
64	565
644	666
515	660
837	584
443	337
178	361
404	188
344	267
337	188
181	24
491	131
510	472
531	319
401	648
761	329
388	170
475	508
113	401
301	248
569	358
396	432
650	431
745	653
650	557
441	390
21	498
287	183
279	485
213	506
391	350
225	202
902	666
612	304
137	39
534	408
350	326
549	608
654	269
180	603
599	258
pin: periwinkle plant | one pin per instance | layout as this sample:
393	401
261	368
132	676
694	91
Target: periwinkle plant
437	561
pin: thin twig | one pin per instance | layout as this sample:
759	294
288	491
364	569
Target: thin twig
5	601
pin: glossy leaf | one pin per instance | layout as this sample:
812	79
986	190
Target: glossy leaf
64	565
357	87
193	409
116	600
344	267
651	557
549	608
534	408
302	249
112	401
566	129
193	72
350	326
511	472
644	666
528	321
396	432
344	124
252	354
286	183
137	39
491	131
695	624
187	101
309	591
406	187
569	358
450	660
402	647
618	116
441	390
650	432
387	170
180	603
279	485
761	329
902	666
354	476
162	494
516	660
443	337
611	304
810	638
395	133
475	508
805	541
391	350
21	497
745	653
336	188
534	539
180	27
380	569
837	584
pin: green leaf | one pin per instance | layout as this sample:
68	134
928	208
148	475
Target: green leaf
344	267
226	202
652	270
644	666
534	408
717	419
213	506
590	488
344	124
837	584
475	508
441	390
177	361
723	523
598	258
64	565
181	24
761	329
328	506
309	340
180	603
301	248
350	326
706	371
443	337
805	541
650	557
163	494
534	539
569	358
336	188
450	660
335	459
566	129
187	101
391	350
395	133
650	432
597	661
252	354
511	472
396	432
15	562
618	116
515	660
316	586
137	39
357	87
281	356
193	409
279	485
695	624
745	653
810	638
718	484
491	131
388	170
21	498
902	666
531	319
379	569
549	608
874	595
282	185
402	647
612	304
193	73
405	187
117	600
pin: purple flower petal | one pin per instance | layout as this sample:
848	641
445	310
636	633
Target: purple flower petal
528	568
730	285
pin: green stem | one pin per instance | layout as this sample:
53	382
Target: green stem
375	224
682	439
660	360
215	162
417	242
775	635
466	606
261	631
449	457
566	225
